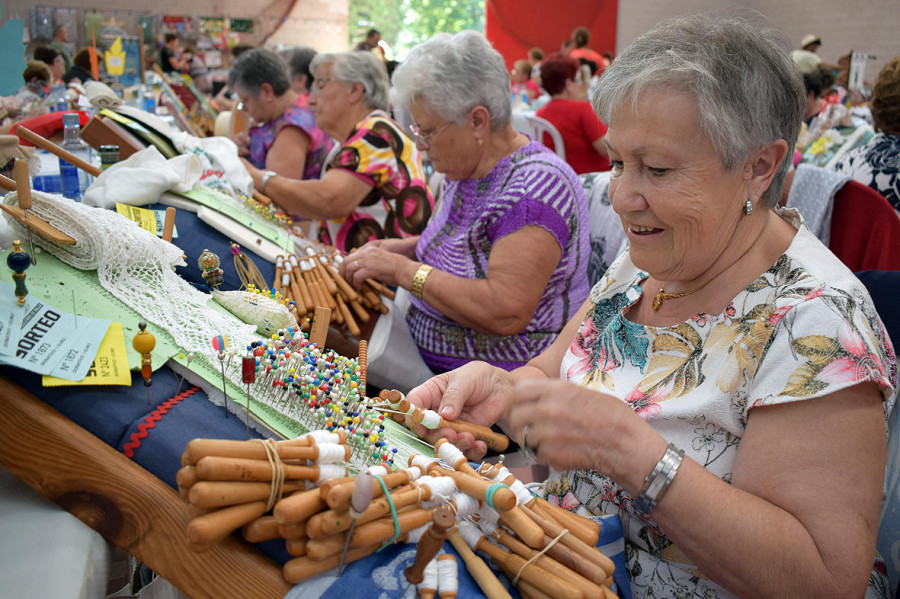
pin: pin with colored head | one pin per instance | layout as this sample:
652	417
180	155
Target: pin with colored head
220	344
248	375
143	343
18	261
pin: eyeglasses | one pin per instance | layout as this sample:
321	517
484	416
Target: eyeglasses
422	137
319	84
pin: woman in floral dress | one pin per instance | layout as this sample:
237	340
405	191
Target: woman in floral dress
728	340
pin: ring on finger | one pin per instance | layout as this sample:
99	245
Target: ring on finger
527	451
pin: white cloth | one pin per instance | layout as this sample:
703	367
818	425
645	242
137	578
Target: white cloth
101	95
142	177
394	361
812	193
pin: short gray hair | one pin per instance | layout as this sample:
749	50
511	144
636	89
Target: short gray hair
358	67
452	74
298	59
255	67
748	90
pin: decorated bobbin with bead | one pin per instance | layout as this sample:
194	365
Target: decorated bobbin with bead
18	261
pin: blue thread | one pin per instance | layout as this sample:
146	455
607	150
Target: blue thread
387	495
489	494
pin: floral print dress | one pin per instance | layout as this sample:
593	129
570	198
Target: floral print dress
803	329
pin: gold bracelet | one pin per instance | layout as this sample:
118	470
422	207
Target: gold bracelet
418	282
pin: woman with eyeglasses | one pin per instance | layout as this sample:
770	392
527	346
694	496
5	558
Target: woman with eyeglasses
502	265
374	187
572	115
283	138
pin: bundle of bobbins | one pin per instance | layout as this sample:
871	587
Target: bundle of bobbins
229	484
544	550
313	280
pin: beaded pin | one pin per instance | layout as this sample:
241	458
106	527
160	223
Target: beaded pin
19	261
143	343
212	274
220	344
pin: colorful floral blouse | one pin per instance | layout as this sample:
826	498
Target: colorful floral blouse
399	204
803	329
298	115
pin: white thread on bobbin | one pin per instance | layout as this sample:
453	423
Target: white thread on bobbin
423	462
469	533
450	453
430	576
378	470
321	437
329	471
331	453
442	487
466	505
489	528
523	495
286	280
448	574
431	419
415	472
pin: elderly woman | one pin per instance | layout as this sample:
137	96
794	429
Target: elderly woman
572	115
298	59
728	378
374	188
502	266
877	164
284	139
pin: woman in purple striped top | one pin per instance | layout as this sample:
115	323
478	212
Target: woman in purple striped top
502	264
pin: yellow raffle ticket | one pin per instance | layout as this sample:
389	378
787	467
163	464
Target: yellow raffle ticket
110	366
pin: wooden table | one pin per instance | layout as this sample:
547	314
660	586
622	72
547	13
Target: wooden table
125	503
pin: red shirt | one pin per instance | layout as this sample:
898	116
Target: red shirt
580	128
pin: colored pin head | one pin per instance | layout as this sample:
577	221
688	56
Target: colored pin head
220	343
144	341
18	261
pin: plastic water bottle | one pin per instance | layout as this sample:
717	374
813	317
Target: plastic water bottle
74	180
47	179
58	101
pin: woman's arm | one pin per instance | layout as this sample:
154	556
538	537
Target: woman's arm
801	517
333	196
501	304
476	392
287	154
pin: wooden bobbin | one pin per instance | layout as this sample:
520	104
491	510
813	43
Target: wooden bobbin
332	522
318	332
383	529
214	526
299	506
537	576
552	529
441	520
485	578
169	224
264	528
447	593
236	469
216	494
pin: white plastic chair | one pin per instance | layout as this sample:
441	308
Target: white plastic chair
535	126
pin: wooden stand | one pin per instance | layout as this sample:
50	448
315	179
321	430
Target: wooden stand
129	506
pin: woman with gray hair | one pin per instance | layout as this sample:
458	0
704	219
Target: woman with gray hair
727	382
374	187
283	138
298	59
502	266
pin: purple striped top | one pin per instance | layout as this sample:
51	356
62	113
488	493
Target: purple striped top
532	186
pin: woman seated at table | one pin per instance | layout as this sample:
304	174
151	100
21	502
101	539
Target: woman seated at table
877	164
502	265
375	186
728	333
572	115
284	139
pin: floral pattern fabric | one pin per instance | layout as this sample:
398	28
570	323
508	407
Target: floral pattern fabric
876	165
803	329
400	202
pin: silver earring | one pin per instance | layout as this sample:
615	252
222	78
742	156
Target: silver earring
748	208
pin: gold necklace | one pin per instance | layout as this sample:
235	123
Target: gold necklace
662	296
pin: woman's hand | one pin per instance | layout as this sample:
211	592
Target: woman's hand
374	261
475	393
571	427
243	143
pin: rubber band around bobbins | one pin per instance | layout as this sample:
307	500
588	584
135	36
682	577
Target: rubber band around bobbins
387	496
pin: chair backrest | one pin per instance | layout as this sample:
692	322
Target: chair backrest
535	126
884	287
607	237
865	230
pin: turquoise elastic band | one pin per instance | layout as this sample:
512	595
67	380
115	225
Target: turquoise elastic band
390	501
489	494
